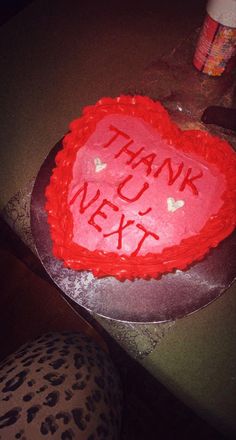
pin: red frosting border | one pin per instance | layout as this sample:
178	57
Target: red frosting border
210	148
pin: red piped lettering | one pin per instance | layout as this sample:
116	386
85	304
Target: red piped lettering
84	189
101	213
189	181
130	153
116	135
145	212
147	161
172	176
137	196
145	235
121	227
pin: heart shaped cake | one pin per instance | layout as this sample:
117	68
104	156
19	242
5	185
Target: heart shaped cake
134	196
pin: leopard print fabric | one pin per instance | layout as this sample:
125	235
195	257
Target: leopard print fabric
60	386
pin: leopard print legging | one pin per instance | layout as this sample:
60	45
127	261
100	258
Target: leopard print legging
60	386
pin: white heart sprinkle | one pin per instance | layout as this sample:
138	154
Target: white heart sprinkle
173	205
99	165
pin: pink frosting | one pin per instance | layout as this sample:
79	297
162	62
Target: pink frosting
170	207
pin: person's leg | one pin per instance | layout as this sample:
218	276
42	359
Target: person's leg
62	385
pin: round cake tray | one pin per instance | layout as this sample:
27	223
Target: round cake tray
173	296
